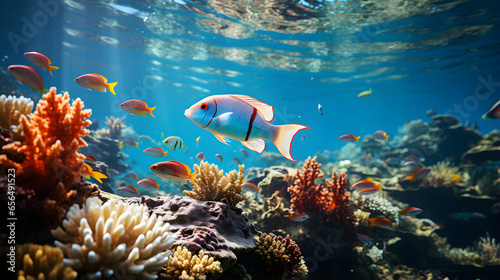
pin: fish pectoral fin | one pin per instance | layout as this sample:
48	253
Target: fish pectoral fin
265	109
257	145
102	89
222	139
223	119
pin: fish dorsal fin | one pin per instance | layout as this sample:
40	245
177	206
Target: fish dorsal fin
257	145
185	166
105	80
265	109
221	138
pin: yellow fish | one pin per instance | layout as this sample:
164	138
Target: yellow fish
365	93
456	177
197	140
96	175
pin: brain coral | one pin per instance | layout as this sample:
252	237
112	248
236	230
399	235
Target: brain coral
115	238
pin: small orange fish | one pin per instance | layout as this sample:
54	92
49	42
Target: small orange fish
298	217
96	82
456	177
28	76
410	211
349	138
94	174
137	107
380	135
412	156
148	183
91	158
367	157
40	60
155	152
382	222
173	170
129	142
250	187
419	174
365	185
128	189
131	175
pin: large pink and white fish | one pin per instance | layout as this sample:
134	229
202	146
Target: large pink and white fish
28	76
244	119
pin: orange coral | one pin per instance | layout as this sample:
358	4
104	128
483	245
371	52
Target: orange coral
51	162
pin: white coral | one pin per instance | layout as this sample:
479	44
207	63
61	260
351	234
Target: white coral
115	238
11	110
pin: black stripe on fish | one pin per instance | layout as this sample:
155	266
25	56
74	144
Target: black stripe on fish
215	113
251	123
175	145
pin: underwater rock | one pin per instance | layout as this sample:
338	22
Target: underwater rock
106	150
488	149
456	140
444	121
271	179
431	112
208	225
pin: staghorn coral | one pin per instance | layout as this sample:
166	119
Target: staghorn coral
440	175
11	110
211	185
115	238
42	262
185	265
282	255
51	162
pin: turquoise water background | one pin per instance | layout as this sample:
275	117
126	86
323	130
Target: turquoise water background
415	55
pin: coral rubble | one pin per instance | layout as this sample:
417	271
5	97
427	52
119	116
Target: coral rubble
115	238
211	185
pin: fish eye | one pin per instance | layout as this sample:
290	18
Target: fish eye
203	106
154	167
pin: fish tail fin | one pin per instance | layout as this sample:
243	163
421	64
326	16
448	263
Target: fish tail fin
357	138
98	176
52	67
42	90
165	153
121	144
191	177
484	117
409	178
394	227
284	137
137	145
111	87
370	90
150	111
386	137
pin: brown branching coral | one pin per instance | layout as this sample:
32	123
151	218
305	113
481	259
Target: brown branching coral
11	110
185	265
330	199
53	136
282	255
211	185
42	262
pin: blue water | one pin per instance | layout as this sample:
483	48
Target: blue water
431	54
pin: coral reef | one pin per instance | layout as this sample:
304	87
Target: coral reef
281	255
211	185
440	175
42	262
204	225
188	266
484	252
376	205
115	238
11	110
488	149
114	130
46	176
